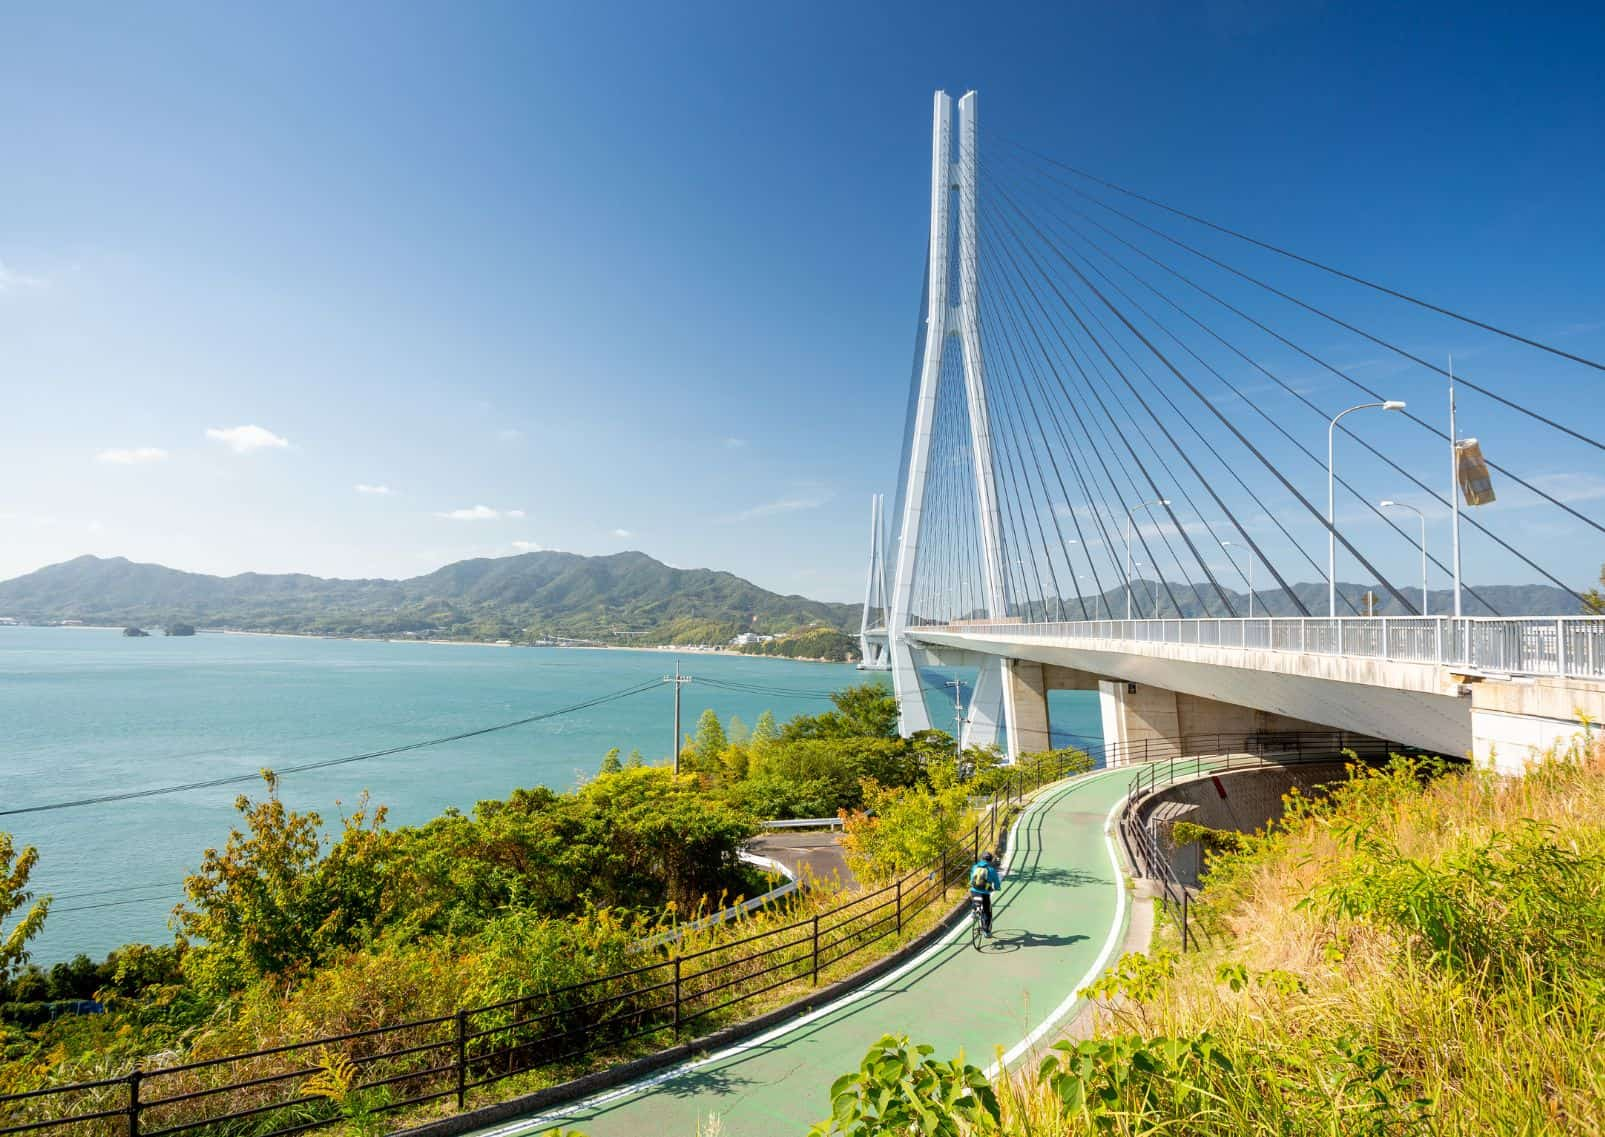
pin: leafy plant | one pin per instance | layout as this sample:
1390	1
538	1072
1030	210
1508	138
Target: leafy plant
899	1090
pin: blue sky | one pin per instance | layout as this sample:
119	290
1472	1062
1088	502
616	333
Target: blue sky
597	277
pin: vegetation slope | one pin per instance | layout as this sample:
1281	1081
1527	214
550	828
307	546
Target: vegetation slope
1411	955
622	598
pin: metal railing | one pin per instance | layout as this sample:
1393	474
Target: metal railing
1258	751
263	1093
1563	646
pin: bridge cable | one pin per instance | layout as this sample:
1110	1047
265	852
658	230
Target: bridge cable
1209	573
1301	397
1382	288
1087	432
1236	476
1349	545
1018	418
1460	380
1412	540
1059	477
1180	483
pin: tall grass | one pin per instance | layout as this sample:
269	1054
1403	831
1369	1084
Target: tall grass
1421	952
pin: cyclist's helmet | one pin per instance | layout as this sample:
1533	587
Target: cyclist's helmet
987	857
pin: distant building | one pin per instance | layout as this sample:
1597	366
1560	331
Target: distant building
8	621
746	638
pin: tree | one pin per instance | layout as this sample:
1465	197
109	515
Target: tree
738	732
764	730
270	904
1594	598
634	761
15	869
702	755
610	763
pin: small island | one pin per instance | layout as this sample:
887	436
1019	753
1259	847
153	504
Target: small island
179	630
134	633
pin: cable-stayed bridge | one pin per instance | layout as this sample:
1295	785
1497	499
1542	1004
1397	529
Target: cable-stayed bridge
1131	430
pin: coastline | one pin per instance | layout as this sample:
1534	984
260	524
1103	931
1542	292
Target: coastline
662	649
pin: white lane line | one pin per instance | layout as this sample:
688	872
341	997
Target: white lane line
1116	930
530	1125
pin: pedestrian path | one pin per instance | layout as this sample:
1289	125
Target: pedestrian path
1057	923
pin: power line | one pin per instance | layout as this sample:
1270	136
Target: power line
240	779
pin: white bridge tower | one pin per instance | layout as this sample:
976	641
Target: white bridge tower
945	321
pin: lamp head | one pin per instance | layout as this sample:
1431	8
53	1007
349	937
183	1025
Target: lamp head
1385	504
1393	405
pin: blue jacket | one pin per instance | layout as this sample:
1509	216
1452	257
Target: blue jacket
991	875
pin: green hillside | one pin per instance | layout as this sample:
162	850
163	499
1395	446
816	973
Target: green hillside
623	598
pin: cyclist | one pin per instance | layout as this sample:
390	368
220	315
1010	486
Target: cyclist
984	881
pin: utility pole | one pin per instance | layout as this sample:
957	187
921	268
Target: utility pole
679	681
1454	482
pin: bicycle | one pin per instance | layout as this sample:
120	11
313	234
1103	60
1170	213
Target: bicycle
980	926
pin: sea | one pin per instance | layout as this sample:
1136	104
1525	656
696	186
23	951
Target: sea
86	713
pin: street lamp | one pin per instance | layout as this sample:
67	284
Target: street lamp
1129	512
1423	519
1331	530
1228	544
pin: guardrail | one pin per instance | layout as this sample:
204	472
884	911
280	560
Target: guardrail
804	823
1563	646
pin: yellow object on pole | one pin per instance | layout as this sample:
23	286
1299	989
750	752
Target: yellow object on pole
1472	473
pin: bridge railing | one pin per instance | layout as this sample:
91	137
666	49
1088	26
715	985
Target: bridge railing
1561	646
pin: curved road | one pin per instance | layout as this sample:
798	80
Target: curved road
1058	920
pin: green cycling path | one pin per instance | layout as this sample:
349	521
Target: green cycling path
1057	922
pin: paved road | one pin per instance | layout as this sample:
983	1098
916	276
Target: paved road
819	854
1058	919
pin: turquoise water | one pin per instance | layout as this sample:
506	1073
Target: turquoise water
85	712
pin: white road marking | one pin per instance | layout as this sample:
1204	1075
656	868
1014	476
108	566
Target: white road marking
1116	930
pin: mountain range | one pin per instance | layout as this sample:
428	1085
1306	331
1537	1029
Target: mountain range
625	597
622	598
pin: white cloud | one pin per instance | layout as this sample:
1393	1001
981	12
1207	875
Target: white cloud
13	281
622	533
133	456
481	513
734	443
784	505
246	439
529	546
376	491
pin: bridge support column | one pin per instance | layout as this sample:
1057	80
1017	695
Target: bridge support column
1140	722
1029	727
989	707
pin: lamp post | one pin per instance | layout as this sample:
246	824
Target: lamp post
1423	519
1331	530
1129	512
1250	552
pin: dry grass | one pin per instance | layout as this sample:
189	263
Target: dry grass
1385	963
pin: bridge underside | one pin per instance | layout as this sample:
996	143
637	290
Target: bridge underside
1167	692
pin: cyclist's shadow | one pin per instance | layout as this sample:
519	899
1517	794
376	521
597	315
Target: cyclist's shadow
1006	940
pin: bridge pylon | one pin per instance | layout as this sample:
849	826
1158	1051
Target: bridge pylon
947	320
